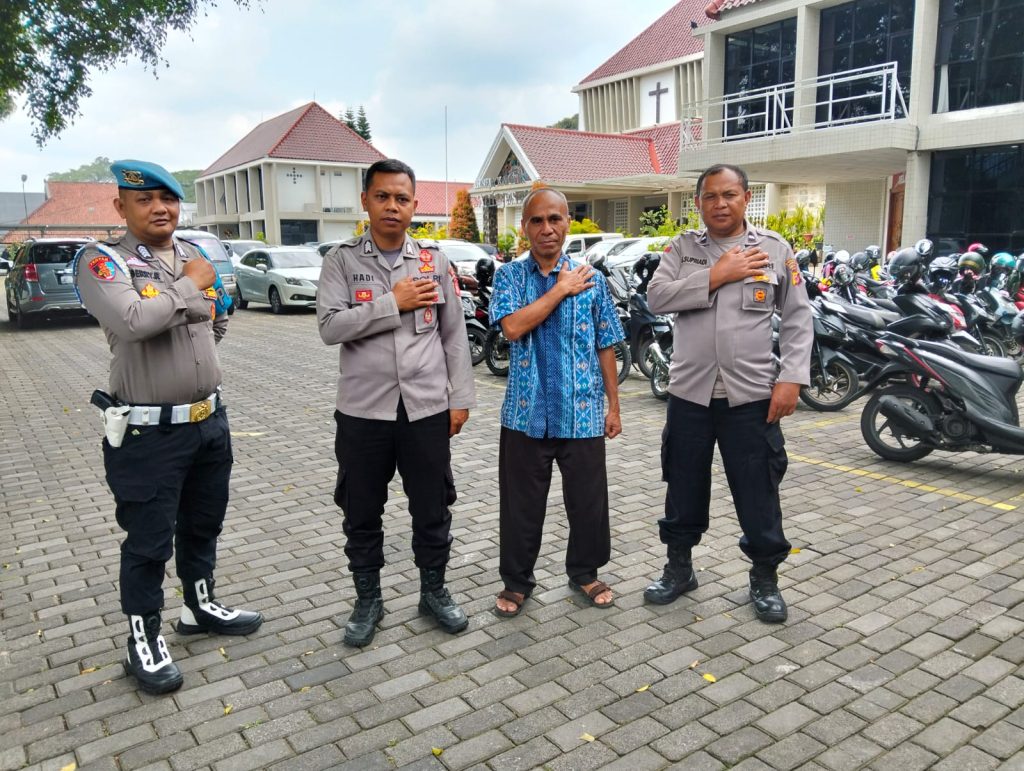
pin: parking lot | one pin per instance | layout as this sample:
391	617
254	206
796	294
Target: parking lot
903	649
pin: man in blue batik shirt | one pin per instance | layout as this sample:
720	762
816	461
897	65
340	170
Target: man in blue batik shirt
561	324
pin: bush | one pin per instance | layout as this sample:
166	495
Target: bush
507	242
586	225
800	226
429	231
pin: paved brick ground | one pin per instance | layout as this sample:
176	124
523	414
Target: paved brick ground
903	649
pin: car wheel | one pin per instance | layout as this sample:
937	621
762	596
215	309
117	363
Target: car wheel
240	300
19	318
276	306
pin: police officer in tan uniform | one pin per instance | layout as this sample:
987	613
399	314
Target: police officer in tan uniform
405	388
723	283
167	451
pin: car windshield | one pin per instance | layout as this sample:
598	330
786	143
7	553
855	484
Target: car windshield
620	246
241	247
54	254
214	249
463	252
296	259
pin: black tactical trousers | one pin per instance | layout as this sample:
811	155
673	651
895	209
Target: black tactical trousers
524	478
170	484
369	452
754	455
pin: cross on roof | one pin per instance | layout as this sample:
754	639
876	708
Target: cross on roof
656	93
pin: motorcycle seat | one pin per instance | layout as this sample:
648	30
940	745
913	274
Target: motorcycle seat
995	364
864	317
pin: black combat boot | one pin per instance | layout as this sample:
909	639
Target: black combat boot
148	660
437	602
677	578
368	610
201	613
764	592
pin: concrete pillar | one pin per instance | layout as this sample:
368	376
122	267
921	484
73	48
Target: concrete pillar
273	216
915	197
808	23
599	213
713	70
675	204
772	198
922	66
634	207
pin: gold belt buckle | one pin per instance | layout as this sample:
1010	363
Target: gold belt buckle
200	411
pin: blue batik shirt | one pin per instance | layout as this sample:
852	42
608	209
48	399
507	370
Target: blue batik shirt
555	388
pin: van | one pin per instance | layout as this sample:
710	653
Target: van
578	243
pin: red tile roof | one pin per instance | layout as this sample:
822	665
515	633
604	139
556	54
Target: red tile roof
431	199
73	203
666	144
563	155
307	133
666	39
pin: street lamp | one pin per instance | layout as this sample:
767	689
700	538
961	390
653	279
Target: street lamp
24	200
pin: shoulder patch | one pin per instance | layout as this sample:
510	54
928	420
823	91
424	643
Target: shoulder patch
102	267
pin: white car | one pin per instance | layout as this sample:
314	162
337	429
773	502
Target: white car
635	250
283	276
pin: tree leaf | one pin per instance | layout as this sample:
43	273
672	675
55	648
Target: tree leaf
228	709
710	677
436	751
642	688
587	737
694	664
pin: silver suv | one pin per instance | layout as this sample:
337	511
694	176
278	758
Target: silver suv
41	281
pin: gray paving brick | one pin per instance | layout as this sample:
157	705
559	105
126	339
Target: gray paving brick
684	741
569	735
476	750
738	745
792	752
786	720
967	759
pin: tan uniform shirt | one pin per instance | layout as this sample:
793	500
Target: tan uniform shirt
730	329
421	356
158	324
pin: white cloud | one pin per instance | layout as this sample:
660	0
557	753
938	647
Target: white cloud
488	61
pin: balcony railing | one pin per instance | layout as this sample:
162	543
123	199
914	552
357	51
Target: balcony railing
842	98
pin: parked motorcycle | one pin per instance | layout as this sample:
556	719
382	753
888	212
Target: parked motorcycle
945	399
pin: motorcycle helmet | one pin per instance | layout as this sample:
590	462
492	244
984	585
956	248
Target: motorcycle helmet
484	271
860	262
924	247
803	259
941	273
1002	262
874	254
971	261
979	248
906	265
842	257
843	275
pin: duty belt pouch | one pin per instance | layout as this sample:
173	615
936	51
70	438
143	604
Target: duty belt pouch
115	423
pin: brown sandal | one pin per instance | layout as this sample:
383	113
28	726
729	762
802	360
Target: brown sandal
596	590
516	598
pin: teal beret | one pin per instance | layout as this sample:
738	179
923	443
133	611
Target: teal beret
142	175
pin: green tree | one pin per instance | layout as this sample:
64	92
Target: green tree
571	122
349	118
187	180
362	127
49	48
463	219
97	171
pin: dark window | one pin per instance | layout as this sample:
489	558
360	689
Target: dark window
864	33
757	59
978	195
980	57
54	254
297	232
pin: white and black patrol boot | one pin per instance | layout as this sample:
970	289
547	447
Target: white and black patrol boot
148	659
764	593
201	613
437	602
367	612
677	578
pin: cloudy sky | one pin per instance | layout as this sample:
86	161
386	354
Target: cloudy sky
488	61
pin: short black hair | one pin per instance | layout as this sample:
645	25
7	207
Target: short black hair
388	166
718	168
